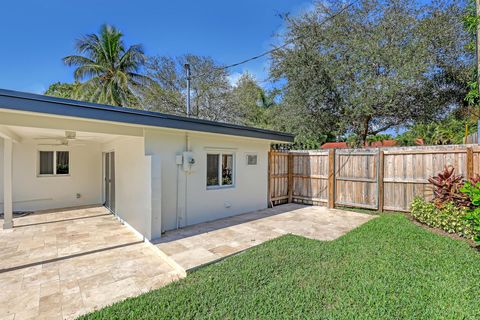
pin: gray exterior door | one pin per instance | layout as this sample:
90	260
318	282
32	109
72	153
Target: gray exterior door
109	184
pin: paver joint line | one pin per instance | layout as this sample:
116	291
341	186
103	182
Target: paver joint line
44	262
58	221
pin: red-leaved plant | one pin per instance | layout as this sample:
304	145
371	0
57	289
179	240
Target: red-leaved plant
447	187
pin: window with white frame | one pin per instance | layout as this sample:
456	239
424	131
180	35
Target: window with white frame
220	169
53	163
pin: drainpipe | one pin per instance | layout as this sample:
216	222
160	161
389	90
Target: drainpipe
187	147
185	190
7	184
176	203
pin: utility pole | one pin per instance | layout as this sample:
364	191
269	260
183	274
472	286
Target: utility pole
187	72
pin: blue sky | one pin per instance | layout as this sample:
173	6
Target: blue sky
36	34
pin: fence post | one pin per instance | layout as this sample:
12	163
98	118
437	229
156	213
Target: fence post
380	185
331	178
269	182
290	177
469	163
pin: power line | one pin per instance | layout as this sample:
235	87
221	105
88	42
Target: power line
279	47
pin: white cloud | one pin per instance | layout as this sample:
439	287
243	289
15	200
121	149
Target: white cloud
234	77
259	72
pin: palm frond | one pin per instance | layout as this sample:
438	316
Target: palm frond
111	72
89	45
140	79
111	40
88	71
133	58
77	61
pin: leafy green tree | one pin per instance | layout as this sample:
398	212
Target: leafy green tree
355	141
167	91
63	90
471	22
448	131
379	137
472	111
110	69
377	65
252	104
210	88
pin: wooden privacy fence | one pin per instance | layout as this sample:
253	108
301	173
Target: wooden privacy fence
380	179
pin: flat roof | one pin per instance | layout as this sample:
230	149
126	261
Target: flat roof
23	101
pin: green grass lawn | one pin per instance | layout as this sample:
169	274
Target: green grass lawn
388	268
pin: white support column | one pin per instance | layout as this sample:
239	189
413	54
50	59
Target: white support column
7	184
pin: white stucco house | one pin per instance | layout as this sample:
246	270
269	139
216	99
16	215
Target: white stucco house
156	172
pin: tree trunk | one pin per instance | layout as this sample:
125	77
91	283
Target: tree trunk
364	134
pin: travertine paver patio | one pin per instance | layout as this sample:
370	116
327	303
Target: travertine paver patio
204	243
62	264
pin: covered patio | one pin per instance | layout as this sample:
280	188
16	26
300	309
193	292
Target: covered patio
48	163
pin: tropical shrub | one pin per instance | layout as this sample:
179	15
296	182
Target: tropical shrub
449	217
455	207
447	187
472	190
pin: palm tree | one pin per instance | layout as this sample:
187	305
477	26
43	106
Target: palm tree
111	71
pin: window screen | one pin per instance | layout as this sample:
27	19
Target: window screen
46	162
63	162
212	169
227	169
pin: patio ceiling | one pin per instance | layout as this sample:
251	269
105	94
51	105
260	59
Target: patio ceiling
29	133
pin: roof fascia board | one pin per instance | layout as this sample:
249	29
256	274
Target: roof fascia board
56	106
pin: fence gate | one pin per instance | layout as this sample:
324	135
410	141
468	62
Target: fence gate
278	171
298	177
309	177
356	178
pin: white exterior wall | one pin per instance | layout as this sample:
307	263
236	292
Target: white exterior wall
132	183
249	192
32	192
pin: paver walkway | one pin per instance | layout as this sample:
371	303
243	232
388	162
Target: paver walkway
60	265
204	243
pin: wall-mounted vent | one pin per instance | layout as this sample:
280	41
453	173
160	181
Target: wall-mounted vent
251	159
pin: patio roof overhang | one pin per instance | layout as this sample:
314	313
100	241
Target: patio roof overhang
28	102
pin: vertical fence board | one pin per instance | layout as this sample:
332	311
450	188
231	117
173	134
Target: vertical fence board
470	163
331	178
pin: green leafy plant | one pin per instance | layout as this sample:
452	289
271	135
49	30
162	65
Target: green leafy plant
472	190
450	218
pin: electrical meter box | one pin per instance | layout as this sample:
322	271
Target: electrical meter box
188	161
179	159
